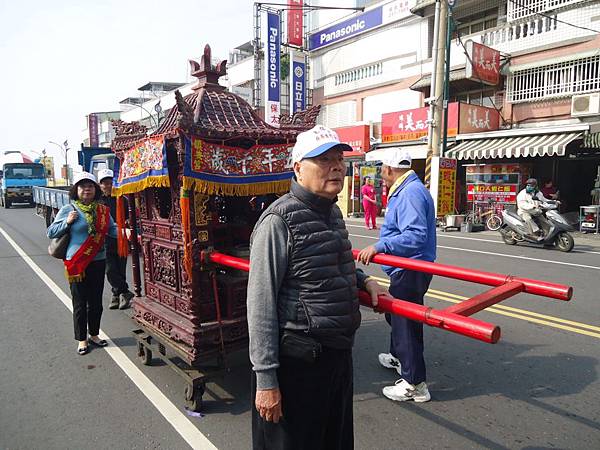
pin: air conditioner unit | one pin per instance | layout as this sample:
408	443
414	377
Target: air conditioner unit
585	105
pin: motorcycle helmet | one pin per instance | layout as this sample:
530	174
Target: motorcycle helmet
531	186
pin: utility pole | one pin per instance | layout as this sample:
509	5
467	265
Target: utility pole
436	99
450	30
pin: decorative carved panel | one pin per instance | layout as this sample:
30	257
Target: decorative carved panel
164	265
200	208
203	236
148	229
143	205
152	292
157	322
168	299
176	235
163	232
147	262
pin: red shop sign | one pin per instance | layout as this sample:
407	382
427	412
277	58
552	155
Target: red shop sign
477	119
294	22
483	63
357	137
411	125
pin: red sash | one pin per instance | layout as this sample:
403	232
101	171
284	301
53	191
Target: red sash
75	267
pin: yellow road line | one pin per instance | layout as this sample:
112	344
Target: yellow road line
523	311
508	311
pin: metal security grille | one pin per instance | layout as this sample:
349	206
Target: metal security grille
555	80
518	9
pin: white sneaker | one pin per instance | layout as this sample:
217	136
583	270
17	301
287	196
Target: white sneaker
389	361
403	391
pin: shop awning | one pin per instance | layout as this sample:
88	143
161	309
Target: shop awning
514	147
418	151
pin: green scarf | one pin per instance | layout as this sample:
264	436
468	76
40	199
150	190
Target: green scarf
89	212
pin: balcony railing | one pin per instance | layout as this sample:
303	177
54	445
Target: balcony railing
526	8
542	31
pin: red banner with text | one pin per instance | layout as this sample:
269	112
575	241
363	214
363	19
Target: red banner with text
294	22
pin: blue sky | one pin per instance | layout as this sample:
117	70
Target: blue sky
61	59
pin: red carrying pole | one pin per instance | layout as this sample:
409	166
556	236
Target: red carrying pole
466	326
553	290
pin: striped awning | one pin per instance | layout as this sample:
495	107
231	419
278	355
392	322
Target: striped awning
591	140
514	147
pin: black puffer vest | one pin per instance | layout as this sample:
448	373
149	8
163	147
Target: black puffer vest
319	293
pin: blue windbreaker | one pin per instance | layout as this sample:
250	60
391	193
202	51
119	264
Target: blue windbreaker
409	226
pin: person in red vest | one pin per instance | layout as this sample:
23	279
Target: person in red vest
369	201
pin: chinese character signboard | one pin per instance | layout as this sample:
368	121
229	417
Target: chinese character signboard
412	124
357	137
298	86
447	186
475	119
294	22
496	182
272	65
501	193
483	63
93	130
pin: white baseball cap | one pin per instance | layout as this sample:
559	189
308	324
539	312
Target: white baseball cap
393	157
84	176
105	173
315	142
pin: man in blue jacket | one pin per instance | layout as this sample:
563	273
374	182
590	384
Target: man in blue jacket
408	231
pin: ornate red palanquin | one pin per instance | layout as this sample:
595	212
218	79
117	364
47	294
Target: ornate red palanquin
205	315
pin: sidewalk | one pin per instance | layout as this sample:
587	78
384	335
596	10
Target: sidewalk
590	240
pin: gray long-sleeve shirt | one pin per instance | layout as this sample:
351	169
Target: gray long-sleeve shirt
271	248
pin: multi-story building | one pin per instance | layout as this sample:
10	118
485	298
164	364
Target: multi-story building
367	65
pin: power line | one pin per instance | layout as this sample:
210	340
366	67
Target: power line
531	10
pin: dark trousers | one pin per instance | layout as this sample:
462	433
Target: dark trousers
317	405
407	335
87	301
116	273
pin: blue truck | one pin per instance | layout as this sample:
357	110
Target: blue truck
48	200
18	181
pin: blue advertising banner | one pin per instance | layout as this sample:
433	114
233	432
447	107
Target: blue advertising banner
273	56
346	29
299	86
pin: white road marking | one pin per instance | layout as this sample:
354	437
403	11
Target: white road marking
527	258
446	235
186	429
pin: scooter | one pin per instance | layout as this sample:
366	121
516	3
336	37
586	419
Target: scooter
554	226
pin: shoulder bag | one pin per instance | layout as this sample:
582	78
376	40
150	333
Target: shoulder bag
58	246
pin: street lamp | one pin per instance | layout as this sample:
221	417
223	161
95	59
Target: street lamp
156	120
65	150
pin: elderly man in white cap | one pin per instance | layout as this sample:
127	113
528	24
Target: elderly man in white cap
303	306
116	266
408	231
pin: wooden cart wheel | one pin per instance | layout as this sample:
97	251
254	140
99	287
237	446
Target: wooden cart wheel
193	397
144	354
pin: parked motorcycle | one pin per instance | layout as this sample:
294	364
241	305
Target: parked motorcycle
554	226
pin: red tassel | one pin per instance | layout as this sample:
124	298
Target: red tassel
122	242
184	203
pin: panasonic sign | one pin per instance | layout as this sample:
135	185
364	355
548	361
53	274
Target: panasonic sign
346	29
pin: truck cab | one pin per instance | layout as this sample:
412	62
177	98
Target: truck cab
100	162
18	180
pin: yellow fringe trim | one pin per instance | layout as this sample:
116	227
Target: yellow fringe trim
139	186
74	278
237	190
